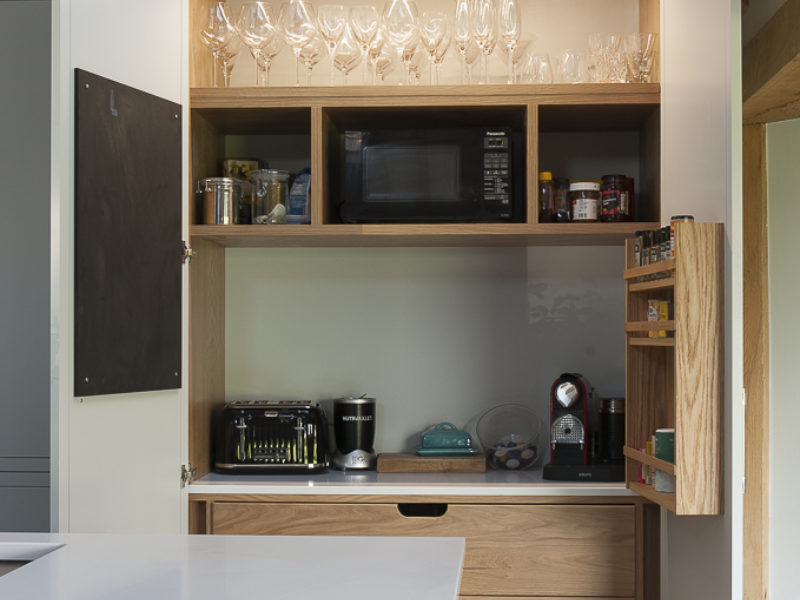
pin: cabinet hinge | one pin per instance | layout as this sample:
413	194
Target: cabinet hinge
744	485
187	474
187	253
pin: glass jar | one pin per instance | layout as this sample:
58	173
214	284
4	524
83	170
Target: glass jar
270	195
546	212
615	199
585	196
561	200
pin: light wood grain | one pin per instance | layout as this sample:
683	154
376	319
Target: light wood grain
532	164
657	284
404	462
648	459
434	498
771	69
648	341
513	550
650	22
698	367
663	266
650	326
201	63
755	364
648	552
661	498
206	349
450	234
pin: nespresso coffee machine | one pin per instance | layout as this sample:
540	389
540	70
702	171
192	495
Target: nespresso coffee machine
585	445
354	430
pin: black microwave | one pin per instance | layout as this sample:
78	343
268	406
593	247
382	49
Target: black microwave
470	174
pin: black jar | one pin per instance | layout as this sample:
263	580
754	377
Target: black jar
615	203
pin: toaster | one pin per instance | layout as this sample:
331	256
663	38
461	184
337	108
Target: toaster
271	437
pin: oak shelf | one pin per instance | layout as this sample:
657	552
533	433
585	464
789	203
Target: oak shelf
664	283
664	499
667	342
647	459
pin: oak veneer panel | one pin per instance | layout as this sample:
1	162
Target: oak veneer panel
755	349
201	63
206	349
521	550
698	367
406	462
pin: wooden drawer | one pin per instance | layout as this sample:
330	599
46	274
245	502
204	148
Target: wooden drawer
521	550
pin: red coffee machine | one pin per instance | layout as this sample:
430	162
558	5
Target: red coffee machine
571	400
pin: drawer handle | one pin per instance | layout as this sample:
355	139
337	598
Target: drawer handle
422	509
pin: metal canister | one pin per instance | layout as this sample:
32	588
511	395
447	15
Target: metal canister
612	429
221	197
270	196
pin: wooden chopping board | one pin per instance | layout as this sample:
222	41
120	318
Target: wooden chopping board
402	462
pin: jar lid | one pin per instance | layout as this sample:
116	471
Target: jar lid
270	173
681	218
545	176
580	186
221	181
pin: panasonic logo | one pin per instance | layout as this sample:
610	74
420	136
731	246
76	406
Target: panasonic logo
355	418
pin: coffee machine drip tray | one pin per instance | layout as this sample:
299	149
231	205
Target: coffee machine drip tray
593	472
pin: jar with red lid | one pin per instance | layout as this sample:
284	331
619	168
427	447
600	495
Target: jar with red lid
615	205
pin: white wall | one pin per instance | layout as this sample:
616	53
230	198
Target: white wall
119	456
701	175
783	154
436	334
24	265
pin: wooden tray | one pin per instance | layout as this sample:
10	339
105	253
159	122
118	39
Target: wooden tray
401	462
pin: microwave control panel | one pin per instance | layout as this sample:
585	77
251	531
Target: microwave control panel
497	168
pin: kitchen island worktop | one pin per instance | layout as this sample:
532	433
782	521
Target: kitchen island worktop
172	567
493	483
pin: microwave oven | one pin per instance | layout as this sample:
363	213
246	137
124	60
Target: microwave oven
436	175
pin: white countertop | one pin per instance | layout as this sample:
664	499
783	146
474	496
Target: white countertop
220	567
491	483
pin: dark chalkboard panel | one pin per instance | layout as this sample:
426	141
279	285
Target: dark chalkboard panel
127	239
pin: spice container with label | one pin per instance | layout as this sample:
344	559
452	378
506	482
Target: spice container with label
615	199
546	212
585	196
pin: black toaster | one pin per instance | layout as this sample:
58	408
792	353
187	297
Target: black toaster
271	437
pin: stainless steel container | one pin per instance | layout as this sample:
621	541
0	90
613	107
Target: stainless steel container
221	198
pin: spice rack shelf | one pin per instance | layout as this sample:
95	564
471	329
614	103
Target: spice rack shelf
676	381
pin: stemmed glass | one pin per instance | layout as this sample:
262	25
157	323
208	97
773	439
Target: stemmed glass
385	62
517	55
510	30
347	54
217	32
471	55
331	21
441	52
484	30
227	55
376	47
310	55
462	33
257	29
432	28
298	24
400	24
365	22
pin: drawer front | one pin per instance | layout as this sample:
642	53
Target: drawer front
542	550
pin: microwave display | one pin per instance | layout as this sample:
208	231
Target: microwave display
469	174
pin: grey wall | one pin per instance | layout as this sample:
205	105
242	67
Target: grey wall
783	154
433	333
24	265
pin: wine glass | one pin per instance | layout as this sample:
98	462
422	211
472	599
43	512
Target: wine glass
432	29
298	24
365	22
310	55
268	52
257	29
385	62
416	68
348	53
400	24
331	21
376	46
510	30
217	32
471	55
484	30
462	34
441	52
227	55
517	55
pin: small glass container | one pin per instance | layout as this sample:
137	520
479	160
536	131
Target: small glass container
270	196
585	196
561	200
615	199
546	212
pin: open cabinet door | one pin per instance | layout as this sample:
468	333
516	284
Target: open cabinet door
120	347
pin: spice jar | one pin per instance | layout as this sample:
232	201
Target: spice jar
615	199
585	197
546	212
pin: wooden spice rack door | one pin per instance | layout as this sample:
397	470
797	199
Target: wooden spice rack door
676	380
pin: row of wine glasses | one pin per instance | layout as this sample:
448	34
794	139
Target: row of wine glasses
400	35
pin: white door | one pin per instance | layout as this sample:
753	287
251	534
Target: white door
118	456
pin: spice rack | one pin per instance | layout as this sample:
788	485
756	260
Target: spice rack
676	380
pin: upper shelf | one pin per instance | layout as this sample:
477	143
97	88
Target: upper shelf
450	234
